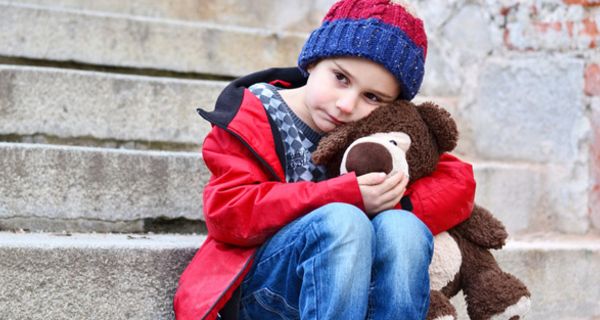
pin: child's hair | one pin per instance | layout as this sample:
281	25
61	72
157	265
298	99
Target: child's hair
384	31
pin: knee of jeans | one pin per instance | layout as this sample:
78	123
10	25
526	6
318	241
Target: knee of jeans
403	228
347	222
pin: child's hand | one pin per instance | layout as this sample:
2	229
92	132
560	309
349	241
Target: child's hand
380	192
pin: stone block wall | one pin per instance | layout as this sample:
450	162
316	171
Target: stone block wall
525	76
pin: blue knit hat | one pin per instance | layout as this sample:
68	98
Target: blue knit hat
380	30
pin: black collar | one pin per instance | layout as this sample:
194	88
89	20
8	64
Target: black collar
230	99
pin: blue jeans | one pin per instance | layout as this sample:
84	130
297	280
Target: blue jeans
335	263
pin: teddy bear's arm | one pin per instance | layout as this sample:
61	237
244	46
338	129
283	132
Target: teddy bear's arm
483	229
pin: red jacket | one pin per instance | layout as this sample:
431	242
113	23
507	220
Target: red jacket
247	199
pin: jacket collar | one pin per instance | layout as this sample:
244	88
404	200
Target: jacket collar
230	100
240	113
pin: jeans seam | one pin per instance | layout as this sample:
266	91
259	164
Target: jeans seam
423	310
315	282
370	307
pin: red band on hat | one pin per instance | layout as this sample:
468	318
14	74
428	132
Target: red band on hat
391	14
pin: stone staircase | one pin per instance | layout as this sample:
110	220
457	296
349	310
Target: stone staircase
100	171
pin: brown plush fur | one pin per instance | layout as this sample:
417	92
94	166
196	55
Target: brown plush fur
483	229
440	306
424	124
488	290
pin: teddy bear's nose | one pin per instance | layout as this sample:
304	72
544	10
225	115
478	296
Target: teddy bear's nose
369	157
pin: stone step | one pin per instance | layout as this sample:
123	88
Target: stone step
52	188
71	104
514	193
531	197
560	272
109	39
293	15
83	276
91	276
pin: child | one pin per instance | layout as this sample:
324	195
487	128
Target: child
286	243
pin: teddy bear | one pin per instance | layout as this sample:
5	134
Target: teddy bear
410	138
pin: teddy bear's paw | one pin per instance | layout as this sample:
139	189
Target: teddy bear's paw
495	294
440	307
516	311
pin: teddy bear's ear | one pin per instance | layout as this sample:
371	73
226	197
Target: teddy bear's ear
333	144
441	125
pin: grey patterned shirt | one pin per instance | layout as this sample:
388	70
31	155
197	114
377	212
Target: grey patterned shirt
298	138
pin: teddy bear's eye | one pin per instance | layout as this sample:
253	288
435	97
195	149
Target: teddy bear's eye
393	142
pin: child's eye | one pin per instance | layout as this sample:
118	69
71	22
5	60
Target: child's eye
372	97
341	78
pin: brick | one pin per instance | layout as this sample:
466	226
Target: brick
592	79
585	3
547	26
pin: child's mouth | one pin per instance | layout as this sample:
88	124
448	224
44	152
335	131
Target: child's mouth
336	121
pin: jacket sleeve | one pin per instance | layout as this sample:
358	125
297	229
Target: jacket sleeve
446	197
244	206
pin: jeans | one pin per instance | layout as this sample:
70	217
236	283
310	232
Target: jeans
336	263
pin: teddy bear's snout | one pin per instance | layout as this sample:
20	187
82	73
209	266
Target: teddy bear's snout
369	157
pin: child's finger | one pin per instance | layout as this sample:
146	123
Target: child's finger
371	179
404	181
394	201
392	181
392	196
396	191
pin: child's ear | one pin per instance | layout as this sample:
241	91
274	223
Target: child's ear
440	124
333	144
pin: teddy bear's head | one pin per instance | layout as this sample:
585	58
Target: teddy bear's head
380	141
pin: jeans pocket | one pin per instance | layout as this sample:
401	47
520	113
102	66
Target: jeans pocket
266	304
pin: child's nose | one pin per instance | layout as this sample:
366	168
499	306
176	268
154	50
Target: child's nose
347	104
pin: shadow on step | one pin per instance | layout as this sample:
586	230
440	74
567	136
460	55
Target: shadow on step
153	225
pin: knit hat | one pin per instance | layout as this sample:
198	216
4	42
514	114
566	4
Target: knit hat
384	31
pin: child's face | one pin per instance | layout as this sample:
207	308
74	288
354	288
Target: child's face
345	89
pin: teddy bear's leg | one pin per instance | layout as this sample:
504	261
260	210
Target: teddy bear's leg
494	294
440	307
